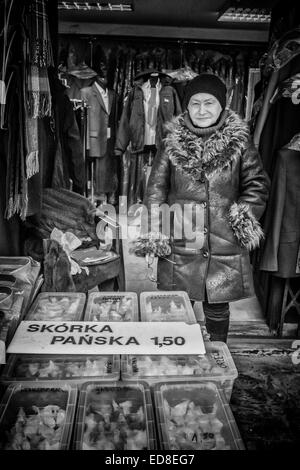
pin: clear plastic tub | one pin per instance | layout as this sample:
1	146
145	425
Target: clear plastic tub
19	266
216	365
57	306
6	297
112	306
166	306
195	416
27	367
37	416
115	416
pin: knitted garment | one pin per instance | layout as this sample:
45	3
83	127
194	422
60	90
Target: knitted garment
206	83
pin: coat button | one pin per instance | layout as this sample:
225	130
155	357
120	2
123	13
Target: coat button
204	204
205	230
205	253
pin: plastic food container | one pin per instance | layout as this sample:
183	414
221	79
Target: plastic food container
115	416
27	367
6	297
166	306
19	266
216	365
8	280
37	416
57	306
112	306
195	416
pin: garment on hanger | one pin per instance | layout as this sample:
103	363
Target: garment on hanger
145	111
283	117
281	62
132	123
280	253
101	132
151	104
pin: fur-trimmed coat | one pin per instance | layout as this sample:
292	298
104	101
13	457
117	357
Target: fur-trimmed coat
222	178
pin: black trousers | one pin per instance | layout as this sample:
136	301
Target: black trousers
216	319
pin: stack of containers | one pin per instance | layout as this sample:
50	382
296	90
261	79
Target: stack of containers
182	386
216	365
191	393
71	372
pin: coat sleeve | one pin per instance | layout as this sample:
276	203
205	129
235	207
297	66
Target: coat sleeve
245	213
177	104
74	149
123	133
153	240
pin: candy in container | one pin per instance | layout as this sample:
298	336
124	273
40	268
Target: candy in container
57	306
112	306
37	417
194	416
166	306
115	416
215	365
54	367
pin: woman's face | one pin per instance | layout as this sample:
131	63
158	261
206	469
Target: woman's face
204	109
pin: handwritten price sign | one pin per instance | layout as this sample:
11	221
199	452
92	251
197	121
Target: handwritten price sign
107	338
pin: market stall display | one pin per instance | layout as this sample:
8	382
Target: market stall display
194	416
37	416
114	417
19	282
27	367
216	365
166	306
57	306
112	306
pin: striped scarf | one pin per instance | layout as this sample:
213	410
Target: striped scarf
38	56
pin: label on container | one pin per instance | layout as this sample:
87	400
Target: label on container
45	337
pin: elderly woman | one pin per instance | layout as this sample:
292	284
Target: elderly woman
208	163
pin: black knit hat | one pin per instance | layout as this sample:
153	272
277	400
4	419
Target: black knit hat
205	83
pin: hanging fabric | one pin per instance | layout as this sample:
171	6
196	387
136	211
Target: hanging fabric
38	56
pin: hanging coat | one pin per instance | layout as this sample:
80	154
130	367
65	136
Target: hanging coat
222	176
101	133
281	251
132	123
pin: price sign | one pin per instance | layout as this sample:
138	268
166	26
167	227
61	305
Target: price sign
107	338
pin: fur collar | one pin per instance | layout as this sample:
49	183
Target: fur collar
194	155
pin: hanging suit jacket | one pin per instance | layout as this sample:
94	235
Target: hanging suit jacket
132	122
101	124
281	252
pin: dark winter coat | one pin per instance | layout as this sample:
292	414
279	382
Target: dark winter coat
222	176
100	142
132	122
101	134
281	251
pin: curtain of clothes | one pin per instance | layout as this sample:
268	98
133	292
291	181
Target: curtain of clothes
276	124
81	59
41	141
125	61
